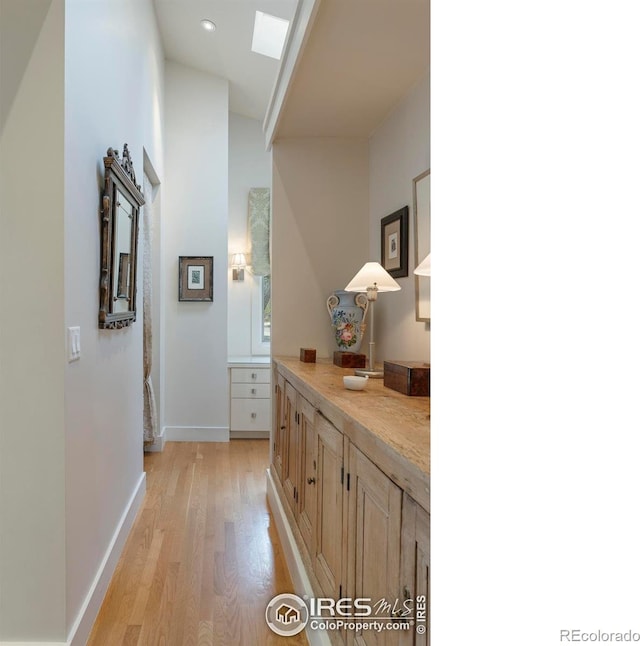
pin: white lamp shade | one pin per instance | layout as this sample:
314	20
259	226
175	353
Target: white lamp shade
424	268
372	275
238	260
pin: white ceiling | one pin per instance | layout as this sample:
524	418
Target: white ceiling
225	52
359	61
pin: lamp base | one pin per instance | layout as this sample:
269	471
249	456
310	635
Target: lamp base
372	374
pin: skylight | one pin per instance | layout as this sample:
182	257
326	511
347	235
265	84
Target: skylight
269	33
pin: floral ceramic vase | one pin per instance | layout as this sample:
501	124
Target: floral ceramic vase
347	311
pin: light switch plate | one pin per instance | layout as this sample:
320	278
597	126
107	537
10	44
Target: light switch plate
73	343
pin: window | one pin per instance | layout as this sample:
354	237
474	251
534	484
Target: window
261	315
266	308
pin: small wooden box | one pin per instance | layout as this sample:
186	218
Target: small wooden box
408	377
349	359
308	355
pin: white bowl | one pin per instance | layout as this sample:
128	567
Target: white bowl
352	382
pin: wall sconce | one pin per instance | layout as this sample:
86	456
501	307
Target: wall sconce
238	263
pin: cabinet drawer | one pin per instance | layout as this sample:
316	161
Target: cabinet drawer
250	391
251	375
250	414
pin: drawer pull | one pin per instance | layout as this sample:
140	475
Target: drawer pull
311	480
253	415
254	375
282	428
253	391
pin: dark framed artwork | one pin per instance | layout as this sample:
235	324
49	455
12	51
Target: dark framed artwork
394	243
195	278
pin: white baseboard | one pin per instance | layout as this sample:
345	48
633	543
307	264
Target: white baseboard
196	433
158	445
79	633
249	435
299	578
33	644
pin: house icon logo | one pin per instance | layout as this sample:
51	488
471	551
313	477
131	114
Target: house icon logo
287	615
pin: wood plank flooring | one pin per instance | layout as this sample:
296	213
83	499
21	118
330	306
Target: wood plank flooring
203	558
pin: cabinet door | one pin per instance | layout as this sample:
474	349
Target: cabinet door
307	482
278	426
414	573
290	455
373	565
327	563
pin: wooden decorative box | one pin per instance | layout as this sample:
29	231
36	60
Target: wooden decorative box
349	360
408	377
308	355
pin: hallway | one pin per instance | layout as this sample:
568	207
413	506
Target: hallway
203	558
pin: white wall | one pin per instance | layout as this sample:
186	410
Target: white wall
114	79
195	206
249	167
71	433
399	151
321	188
320	235
154	204
32	456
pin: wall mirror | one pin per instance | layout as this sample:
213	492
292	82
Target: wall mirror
121	202
422	238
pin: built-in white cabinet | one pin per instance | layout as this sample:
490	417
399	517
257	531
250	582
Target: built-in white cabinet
249	399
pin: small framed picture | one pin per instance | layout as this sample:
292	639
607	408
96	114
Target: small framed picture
195	278
394	239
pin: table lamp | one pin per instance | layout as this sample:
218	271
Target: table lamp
424	268
372	278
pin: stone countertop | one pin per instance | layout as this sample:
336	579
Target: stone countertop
379	420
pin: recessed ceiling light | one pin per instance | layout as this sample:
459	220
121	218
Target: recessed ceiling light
208	25
269	33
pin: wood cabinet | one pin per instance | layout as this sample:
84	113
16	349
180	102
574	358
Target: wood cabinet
328	556
373	545
350	498
279	427
414	567
297	459
290	440
306	503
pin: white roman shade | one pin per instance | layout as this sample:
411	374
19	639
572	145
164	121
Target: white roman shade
259	229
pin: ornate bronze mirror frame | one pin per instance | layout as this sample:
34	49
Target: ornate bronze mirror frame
121	202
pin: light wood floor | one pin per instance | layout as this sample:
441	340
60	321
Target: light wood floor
203	558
